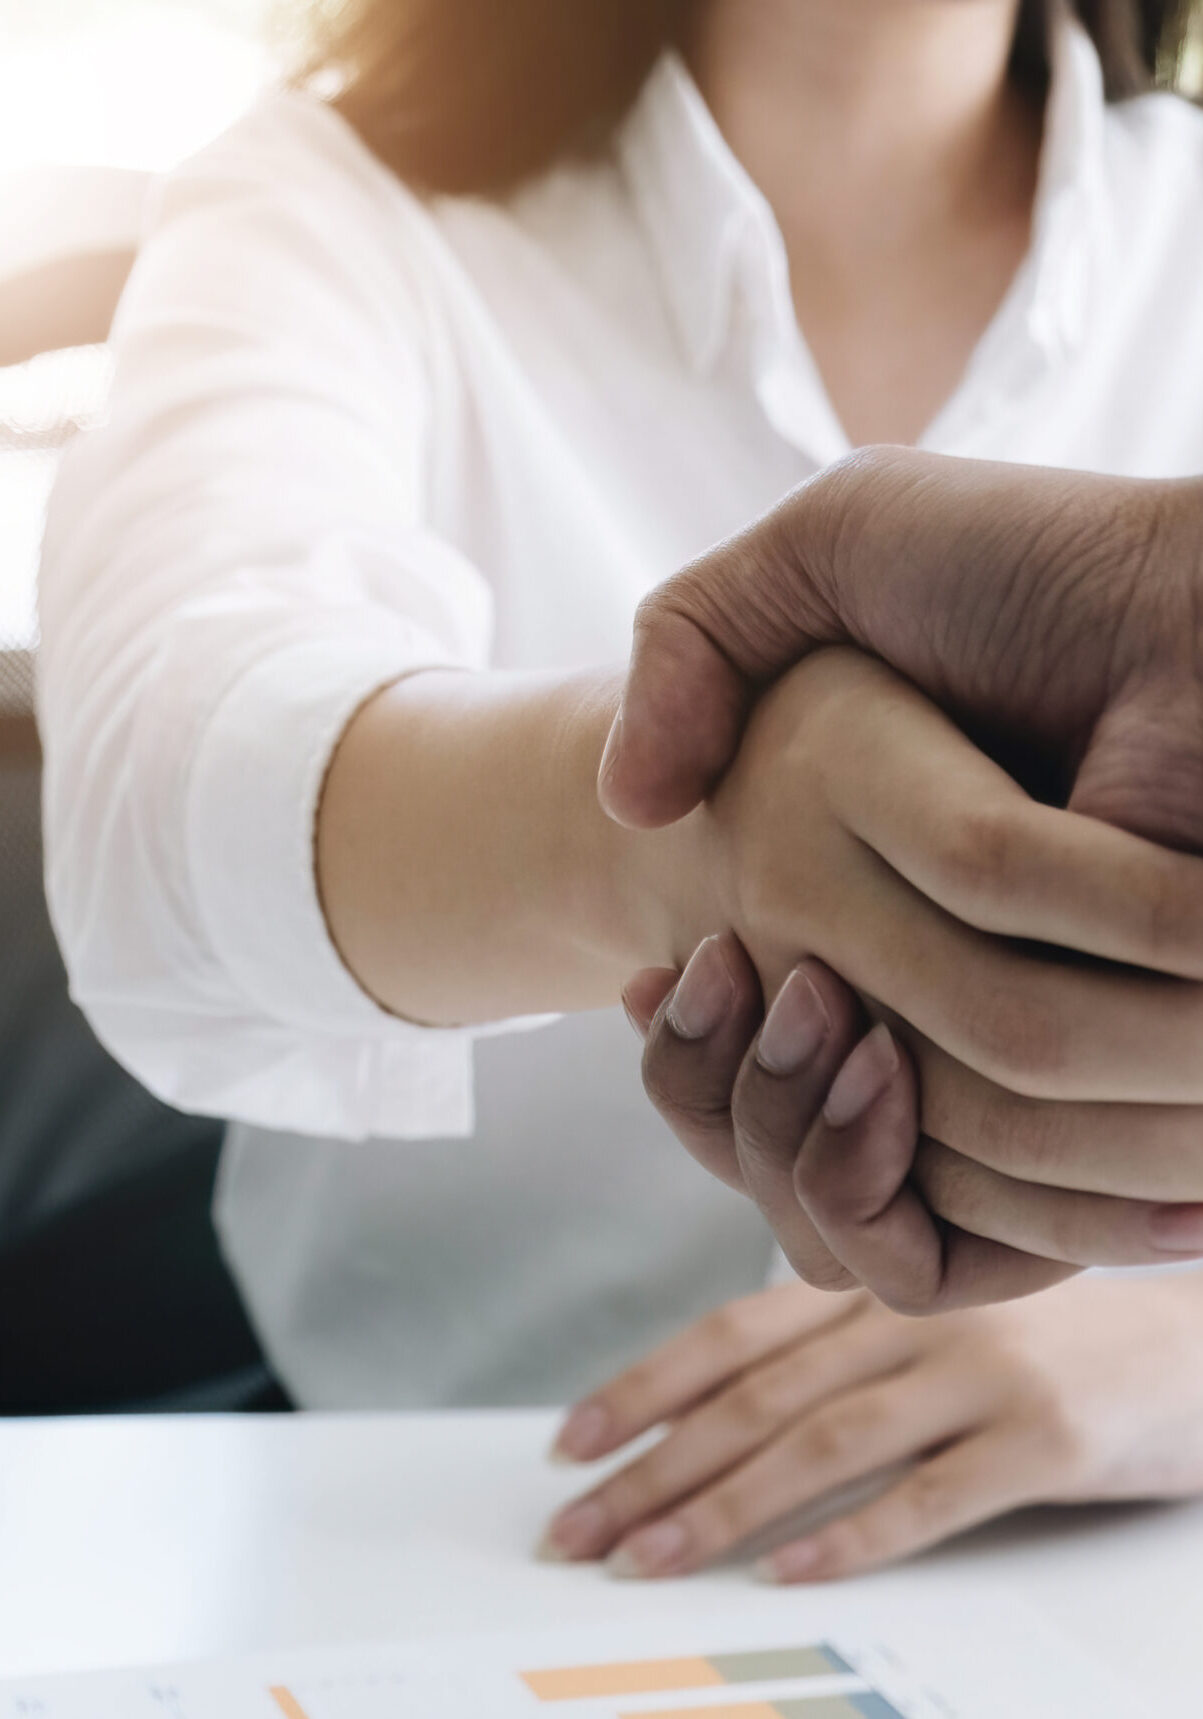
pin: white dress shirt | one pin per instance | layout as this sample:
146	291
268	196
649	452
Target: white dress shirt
353	433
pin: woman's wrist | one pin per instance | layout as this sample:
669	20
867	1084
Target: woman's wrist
656	893
466	868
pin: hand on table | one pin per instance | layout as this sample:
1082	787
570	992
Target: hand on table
1092	1391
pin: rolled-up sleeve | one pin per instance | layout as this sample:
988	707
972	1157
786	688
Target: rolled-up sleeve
234	563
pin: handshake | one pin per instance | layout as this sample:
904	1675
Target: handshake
942	721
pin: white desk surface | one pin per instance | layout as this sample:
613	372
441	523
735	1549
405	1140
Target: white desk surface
144	1541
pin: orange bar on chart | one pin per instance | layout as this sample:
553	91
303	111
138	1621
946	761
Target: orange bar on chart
288	1704
641	1677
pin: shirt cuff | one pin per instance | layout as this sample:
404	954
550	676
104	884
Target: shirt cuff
252	800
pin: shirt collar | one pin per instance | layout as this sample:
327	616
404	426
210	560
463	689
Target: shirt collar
711	229
701	210
1069	226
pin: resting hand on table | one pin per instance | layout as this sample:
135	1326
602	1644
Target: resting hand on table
1092	1391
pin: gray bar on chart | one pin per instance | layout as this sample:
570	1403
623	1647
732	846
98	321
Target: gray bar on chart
867	1706
778	1662
874	1706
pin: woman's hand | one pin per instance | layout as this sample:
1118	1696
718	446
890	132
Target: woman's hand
860	826
1092	1391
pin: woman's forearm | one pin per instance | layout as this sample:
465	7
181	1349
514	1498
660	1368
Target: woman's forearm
465	868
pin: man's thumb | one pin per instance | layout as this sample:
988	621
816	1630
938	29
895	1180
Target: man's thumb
706	642
679	725
1143	770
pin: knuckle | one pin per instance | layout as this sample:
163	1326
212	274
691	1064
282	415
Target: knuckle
681	1094
764	1138
1015	1037
1069	1220
636	1492
765	882
929	1503
1019	1133
911	1300
1055	1430
1168	915
831	1439
976	853
845	1204
820	1269
839	1200
853	484
929	1499
855	496
952	1185
730	1331
723	1516
758	565
916	1292
1043	1411
629	1399
671	598
754	1406
1065	1441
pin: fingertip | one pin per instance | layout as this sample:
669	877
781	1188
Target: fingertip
640	784
643	798
798	1562
587	1433
623	790
852	1177
719	986
644	993
705	996
871	1068
839	999
795	1029
679	723
822	1271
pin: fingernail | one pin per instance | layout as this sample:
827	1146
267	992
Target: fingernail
794	1028
1177	1229
704	994
583	1435
654	1551
790	1563
577	1531
863	1078
637	1026
609	757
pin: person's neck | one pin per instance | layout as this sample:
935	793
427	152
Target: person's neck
901	163
898	110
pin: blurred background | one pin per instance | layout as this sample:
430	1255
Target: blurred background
113	1295
95	96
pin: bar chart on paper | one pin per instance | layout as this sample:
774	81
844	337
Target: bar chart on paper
819	1684
810	1682
784	1659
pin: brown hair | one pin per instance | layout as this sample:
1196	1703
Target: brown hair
478	95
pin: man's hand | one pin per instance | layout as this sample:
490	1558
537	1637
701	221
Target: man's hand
1057	616
1049	610
822	1131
